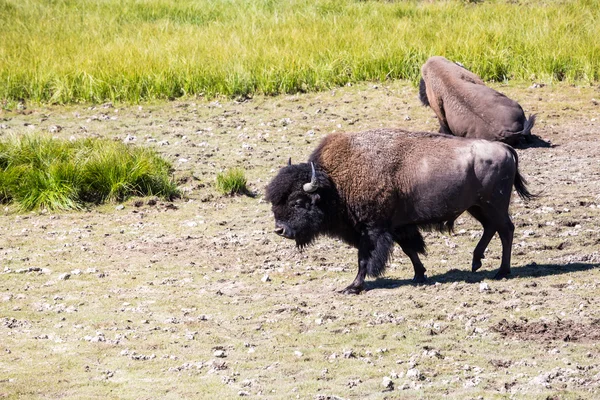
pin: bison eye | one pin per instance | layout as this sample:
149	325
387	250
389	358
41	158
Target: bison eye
300	203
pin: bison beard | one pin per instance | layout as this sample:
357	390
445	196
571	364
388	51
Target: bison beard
376	188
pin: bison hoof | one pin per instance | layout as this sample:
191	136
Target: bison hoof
352	290
501	274
420	279
475	266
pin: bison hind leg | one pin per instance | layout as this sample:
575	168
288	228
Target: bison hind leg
410	237
411	242
493	220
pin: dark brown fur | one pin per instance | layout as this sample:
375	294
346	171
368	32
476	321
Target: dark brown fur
381	186
466	107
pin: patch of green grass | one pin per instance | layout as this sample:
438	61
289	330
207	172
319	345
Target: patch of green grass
232	181
72	51
40	172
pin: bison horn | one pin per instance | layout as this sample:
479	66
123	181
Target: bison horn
312	185
289	161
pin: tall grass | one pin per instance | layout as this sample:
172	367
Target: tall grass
39	172
63	51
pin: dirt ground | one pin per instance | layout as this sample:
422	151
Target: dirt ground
198	298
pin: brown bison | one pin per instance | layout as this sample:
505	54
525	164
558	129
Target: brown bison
466	107
374	188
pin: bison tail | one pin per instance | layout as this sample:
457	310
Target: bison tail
520	182
528	125
423	93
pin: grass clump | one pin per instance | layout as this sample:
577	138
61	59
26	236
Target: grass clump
40	172
231	182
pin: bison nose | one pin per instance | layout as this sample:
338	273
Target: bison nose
283	230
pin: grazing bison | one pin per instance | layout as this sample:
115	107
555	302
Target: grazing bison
374	188
466	107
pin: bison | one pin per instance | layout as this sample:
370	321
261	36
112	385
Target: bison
466	107
376	188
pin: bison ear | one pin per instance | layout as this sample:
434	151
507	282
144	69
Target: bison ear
289	161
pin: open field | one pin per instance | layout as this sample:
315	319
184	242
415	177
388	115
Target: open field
67	51
199	299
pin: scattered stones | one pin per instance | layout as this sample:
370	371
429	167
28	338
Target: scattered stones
95	339
353	383
328	397
188	366
217	365
138	357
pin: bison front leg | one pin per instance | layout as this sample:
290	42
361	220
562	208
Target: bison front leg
373	253
357	285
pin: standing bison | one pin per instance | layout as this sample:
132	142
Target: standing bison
466	107
374	188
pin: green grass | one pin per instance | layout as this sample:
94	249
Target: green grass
232	181
65	51
40	172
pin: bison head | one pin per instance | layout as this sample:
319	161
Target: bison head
295	194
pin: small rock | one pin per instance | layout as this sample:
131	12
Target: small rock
119	207
129	139
265	278
413	374
387	383
64	277
220	354
298	353
349	354
483	287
